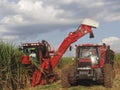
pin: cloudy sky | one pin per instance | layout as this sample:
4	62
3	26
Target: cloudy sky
52	20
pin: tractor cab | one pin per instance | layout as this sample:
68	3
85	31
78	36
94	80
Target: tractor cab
88	59
88	55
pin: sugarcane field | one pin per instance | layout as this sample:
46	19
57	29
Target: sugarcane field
59	45
15	76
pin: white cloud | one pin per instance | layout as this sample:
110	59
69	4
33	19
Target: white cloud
31	17
36	9
32	12
115	17
16	19
114	43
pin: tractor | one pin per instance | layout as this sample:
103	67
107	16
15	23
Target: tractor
92	62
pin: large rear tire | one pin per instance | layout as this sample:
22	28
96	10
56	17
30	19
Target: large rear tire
68	77
64	79
72	74
108	75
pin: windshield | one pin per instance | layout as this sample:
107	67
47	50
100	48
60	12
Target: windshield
86	52
28	51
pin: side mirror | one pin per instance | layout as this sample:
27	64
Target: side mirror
91	35
70	48
104	45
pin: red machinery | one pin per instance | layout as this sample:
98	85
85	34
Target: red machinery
47	62
93	62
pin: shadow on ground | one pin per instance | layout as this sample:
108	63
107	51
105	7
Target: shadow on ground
87	83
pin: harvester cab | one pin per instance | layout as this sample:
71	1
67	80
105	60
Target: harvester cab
35	51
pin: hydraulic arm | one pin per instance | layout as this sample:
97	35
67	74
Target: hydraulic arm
83	29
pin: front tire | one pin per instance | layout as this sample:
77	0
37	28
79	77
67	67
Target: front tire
72	74
108	75
68	76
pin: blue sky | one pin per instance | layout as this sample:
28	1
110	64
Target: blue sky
52	20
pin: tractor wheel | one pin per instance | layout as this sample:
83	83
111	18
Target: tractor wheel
71	75
114	74
108	75
64	79
68	77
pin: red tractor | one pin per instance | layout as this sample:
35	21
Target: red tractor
47	62
93	62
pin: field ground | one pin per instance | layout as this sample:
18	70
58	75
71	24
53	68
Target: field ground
83	86
88	86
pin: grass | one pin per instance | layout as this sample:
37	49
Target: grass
12	72
65	62
117	61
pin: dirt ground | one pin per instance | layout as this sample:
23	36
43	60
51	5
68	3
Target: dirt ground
84	85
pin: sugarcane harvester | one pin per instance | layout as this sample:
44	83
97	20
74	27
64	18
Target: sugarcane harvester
48	62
